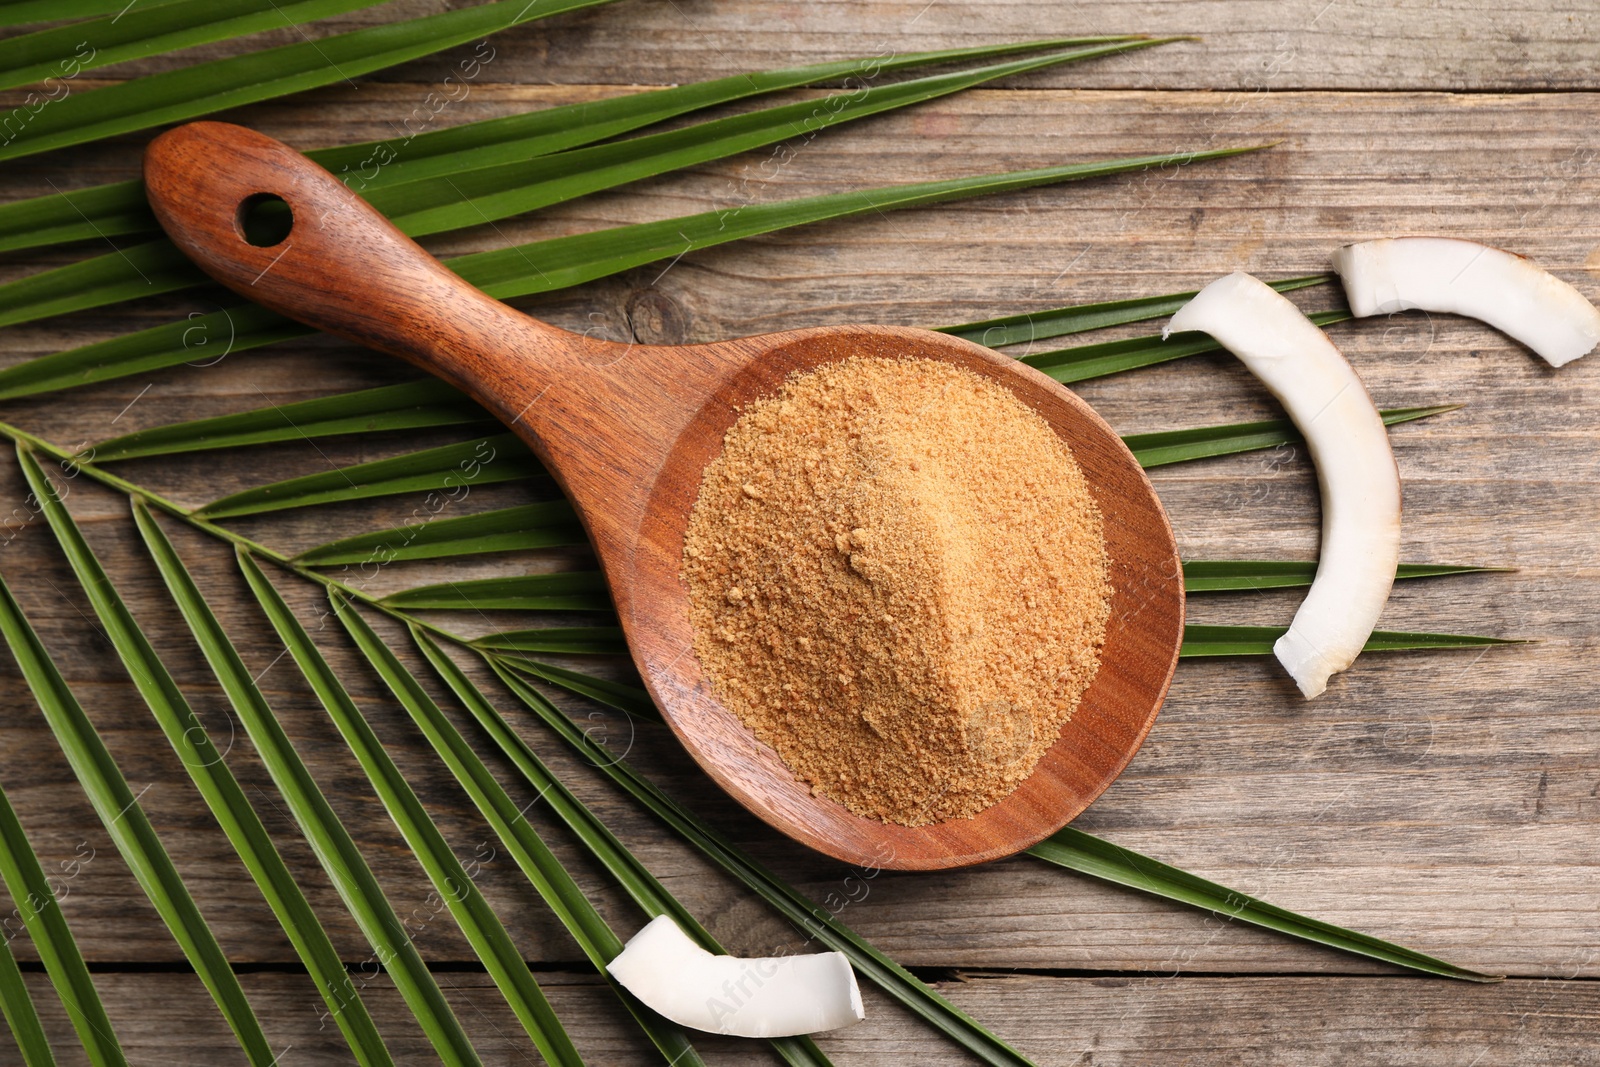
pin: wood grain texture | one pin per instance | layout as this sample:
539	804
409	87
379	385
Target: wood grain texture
1446	800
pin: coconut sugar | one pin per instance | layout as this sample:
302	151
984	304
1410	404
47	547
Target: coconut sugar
898	580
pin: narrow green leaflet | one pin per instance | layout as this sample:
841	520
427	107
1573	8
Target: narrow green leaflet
632	875
1231	575
810	918
409	406
334	848
1082	362
222	793
548	524
40	912
126	274
449	878
552	880
557	263
19	12
452	469
629	698
1078	851
130	830
203	88
119	209
1040	325
561	591
136	31
200	338
569	640
17	1007
470	197
1200	640
1181	446
206	767
543	266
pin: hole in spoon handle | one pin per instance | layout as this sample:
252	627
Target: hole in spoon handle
340	266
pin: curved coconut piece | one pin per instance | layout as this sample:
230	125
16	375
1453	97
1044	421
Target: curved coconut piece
769	996
1466	278
1355	468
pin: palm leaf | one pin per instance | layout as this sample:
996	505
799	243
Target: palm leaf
626	698
570	640
480	461
175	96
210	773
544	266
388	408
552	880
450	880
125	821
1056	322
1082	362
1181	446
1233	575
206	767
18	12
349	873
470	196
1201	640
120	208
561	591
1078	851
548	524
146	31
37	905
17	1006
640	885
810	918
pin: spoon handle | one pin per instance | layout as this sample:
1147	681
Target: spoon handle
343	267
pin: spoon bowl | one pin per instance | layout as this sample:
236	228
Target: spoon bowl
627	430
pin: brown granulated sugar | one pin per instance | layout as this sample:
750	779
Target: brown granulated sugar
898	580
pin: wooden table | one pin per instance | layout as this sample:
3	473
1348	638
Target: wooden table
1446	800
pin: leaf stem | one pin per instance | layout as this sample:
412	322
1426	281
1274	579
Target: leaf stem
77	462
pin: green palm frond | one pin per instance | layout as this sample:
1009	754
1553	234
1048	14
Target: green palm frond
119	209
554	884
1204	641
67	51
1242	575
449	878
119	811
210	774
205	88
1078	851
16	1004
349	872
37	907
474	195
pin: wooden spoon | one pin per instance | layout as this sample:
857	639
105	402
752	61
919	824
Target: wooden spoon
627	430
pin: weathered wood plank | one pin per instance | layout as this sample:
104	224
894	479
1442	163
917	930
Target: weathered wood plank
1250	46
1058	1022
1445	800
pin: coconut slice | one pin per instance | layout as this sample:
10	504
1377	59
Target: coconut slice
1465	278
770	996
1355	469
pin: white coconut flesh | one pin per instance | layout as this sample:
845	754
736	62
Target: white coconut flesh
1500	288
769	996
1349	445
